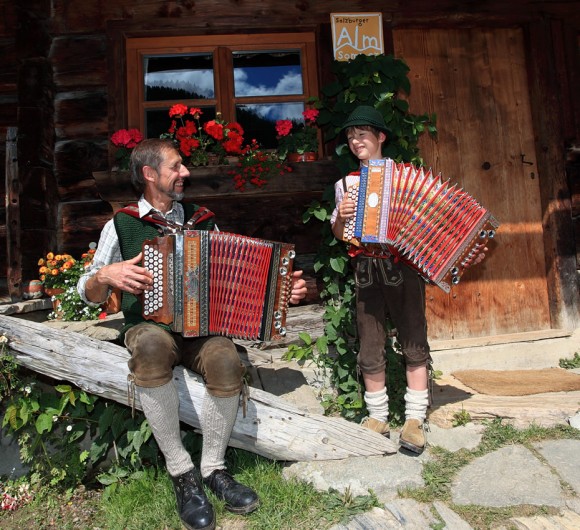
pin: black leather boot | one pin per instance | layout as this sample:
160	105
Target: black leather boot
238	498
193	506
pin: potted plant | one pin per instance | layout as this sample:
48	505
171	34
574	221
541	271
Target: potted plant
60	274
298	141
203	144
55	270
125	140
255	166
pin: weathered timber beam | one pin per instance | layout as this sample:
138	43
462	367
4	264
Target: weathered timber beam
272	427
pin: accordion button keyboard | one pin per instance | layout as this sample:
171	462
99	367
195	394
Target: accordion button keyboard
153	261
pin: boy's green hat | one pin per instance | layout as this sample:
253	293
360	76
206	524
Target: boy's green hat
365	115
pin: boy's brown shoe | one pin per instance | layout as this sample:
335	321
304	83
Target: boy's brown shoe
377	425
413	436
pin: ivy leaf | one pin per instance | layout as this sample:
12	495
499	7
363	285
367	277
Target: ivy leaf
321	214
305	337
106	419
44	423
337	264
136	439
322	345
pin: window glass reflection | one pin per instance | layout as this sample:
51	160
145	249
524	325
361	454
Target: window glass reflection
258	121
269	73
178	77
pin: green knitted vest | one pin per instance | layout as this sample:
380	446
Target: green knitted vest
132	232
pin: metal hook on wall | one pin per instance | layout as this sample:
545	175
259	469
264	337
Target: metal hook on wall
524	161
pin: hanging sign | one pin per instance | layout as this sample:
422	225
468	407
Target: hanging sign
356	33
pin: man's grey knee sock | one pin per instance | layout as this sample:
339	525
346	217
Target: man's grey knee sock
161	408
218	416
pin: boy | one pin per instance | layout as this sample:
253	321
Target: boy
384	287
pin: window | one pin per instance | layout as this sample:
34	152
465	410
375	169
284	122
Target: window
253	79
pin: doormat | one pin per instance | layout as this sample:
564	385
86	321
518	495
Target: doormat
519	382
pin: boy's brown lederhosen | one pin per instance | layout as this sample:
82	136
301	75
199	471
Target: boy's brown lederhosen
387	288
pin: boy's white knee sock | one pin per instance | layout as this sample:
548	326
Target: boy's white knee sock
416	403
378	404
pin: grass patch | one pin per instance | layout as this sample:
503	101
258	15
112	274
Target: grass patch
287	504
148	503
483	518
570	364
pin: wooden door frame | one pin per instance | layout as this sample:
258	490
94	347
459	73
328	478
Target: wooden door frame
550	85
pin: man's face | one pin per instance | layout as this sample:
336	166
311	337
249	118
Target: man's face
171	175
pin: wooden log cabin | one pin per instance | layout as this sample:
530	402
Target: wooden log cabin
502	77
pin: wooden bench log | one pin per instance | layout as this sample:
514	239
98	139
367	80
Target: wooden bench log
272	427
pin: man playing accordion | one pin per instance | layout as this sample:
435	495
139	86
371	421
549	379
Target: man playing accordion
157	171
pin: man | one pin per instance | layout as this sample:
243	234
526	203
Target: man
157	171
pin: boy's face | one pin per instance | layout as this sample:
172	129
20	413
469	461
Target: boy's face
365	144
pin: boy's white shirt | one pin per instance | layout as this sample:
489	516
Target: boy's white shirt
351	180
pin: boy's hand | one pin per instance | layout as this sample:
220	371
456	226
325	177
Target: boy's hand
346	208
299	288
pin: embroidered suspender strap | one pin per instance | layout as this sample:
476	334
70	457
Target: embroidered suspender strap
156	219
202	214
133	210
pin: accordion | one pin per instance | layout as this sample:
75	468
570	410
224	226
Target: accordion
216	283
434	227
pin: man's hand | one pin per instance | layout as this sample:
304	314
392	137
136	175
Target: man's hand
127	275
299	288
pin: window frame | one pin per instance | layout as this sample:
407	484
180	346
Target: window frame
222	46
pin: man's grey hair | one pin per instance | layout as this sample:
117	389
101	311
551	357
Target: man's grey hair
150	152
